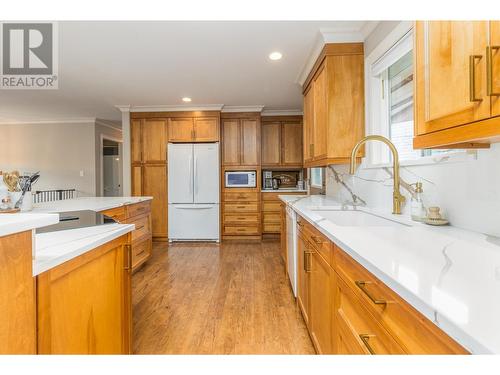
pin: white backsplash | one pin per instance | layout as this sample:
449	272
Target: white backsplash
468	191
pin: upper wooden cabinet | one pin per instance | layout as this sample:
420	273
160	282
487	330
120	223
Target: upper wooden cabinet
457	83
136	140
241	140
202	129
154	140
334	105
282	141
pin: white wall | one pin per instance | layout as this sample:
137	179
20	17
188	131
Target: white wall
59	151
467	189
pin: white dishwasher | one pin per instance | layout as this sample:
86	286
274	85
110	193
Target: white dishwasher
291	247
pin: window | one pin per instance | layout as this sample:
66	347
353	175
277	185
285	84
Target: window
392	102
317	177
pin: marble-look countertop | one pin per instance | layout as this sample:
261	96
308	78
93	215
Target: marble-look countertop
291	190
55	248
20	222
87	203
450	275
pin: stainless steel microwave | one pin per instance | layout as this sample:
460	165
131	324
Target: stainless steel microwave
241	179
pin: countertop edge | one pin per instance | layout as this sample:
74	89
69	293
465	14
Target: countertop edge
30	222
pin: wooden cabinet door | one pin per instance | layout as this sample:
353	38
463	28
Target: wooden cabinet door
180	130
231	142
17	295
154	140
283	236
136	140
206	129
447	93
303	283
291	144
321	304
271	144
250	142
154	183
84	304
308	128
136	181
495	67
320	129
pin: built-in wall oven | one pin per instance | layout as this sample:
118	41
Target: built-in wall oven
240	179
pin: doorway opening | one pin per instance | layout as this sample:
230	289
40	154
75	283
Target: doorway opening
111	168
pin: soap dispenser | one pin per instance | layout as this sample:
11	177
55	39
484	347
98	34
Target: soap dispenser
418	212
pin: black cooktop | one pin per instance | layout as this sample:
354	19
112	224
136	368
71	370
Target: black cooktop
77	219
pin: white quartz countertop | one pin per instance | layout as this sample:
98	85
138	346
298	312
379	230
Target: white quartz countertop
20	222
292	190
87	203
451	276
55	248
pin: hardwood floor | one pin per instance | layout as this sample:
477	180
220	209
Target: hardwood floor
211	299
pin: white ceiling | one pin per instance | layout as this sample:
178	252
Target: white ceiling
103	64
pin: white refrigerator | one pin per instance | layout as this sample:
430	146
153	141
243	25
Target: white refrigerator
193	192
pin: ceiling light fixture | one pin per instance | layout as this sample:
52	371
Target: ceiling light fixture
275	55
186	99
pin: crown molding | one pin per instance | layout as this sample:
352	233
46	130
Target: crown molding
175	108
81	120
334	35
109	124
285	112
242	108
123	107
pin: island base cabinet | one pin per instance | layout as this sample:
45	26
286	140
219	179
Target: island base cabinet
84	305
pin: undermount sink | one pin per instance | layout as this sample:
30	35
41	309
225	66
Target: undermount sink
355	218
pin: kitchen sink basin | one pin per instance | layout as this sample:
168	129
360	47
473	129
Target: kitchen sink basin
356	218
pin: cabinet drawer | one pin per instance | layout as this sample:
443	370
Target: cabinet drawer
271	227
241	207
241	230
241	197
414	332
271	206
141	251
272	217
142	226
360	326
138	209
241	219
117	213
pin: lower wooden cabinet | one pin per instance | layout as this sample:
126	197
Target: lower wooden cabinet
271	211
347	310
154	184
84	305
241	214
17	295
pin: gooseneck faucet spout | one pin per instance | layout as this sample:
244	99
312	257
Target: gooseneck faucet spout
397	198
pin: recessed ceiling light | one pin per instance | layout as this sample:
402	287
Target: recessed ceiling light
275	55
186	99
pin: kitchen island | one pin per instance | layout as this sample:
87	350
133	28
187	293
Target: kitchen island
75	280
447	275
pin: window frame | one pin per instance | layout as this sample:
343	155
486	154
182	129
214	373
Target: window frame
313	185
377	111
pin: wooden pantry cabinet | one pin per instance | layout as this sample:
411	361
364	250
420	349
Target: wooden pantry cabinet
241	138
334	105
282	141
347	310
457	84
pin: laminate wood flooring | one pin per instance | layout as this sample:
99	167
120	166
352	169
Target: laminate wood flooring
232	298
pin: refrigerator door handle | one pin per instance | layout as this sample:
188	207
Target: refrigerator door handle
190	174
195	175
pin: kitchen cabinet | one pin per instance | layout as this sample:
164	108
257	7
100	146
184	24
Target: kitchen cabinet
303	275
334	105
84	305
198	129
283	237
136	140
456	84
17	294
271	211
154	184
240	140
282	141
136	180
154	140
241	214
271	144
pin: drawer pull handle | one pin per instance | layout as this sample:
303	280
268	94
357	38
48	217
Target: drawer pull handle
317	240
140	252
128	254
307	269
472	78
362	285
300	224
366	341
489	70
139	228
